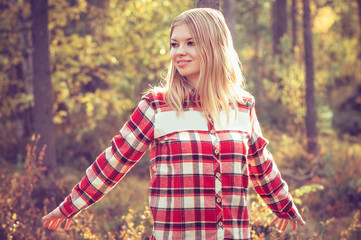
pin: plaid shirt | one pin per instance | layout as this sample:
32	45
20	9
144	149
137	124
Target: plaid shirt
199	170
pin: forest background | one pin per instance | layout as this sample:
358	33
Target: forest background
105	54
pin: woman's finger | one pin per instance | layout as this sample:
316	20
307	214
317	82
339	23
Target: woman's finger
68	221
284	225
60	221
46	220
46	224
53	223
294	225
280	223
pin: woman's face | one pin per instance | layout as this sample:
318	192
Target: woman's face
183	53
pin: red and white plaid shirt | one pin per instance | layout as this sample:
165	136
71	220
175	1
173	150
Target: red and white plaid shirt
199	170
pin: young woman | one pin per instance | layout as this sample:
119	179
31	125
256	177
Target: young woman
205	143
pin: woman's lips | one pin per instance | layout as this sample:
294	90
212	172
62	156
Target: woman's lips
183	63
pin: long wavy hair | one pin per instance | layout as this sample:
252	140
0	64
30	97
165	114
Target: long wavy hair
220	81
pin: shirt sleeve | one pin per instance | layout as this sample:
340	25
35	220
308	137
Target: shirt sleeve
112	165
265	175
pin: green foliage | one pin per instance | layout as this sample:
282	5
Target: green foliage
335	208
336	48
342	184
14	100
337	65
298	193
101	67
103	56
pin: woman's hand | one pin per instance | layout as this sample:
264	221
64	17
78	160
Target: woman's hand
282	223
54	219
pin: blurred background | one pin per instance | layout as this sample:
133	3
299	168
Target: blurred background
72	71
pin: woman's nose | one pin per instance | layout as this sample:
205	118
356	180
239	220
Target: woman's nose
181	50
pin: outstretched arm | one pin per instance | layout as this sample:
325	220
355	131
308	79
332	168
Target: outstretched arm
267	179
109	168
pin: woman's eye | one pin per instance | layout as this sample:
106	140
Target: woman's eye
173	45
191	43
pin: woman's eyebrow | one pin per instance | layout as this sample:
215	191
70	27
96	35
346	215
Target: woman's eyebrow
173	39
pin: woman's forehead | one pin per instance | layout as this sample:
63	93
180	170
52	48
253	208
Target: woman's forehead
181	32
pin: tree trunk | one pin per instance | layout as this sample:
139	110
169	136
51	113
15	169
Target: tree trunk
279	28
279	23
256	63
311	115
359	21
294	25
26	45
43	107
229	7
208	4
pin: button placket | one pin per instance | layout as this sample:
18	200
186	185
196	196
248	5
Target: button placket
218	181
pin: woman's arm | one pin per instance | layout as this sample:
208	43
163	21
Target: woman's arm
110	167
267	179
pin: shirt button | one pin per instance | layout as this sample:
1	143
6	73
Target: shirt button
216	151
219	200
218	175
220	224
213	132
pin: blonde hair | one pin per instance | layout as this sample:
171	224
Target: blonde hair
220	80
